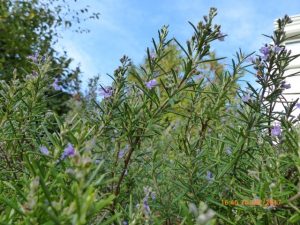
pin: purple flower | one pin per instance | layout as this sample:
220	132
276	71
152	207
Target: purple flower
209	176
125	222
153	195
148	192
69	151
251	59
221	36
246	98
33	58
197	77
34	73
298	105
265	50
277	49
121	154
152	55
276	130
228	151
146	207
285	85
151	84
56	86
106	92
193	209
43	58
44	150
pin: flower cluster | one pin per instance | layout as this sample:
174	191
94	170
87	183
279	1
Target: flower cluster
148	193
151	84
69	151
106	92
246	97
266	50
56	86
44	150
34	57
276	130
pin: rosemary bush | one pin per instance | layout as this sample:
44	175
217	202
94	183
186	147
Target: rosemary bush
163	145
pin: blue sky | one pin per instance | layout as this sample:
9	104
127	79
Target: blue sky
127	26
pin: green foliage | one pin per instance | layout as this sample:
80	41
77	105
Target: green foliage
30	27
198	151
45	188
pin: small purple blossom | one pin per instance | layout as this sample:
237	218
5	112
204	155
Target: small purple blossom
152	55
209	176
277	49
221	36
276	130
106	92
198	77
285	85
125	222
148	192
34	57
34	73
298	105
251	59
193	209
151	84
69	151
153	195
122	152
44	150
146	207
246	98
43	58
265	50
56	86
228	151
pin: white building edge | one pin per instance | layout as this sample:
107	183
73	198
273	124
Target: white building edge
293	43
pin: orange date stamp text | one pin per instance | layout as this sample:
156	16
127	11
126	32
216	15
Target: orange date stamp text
251	202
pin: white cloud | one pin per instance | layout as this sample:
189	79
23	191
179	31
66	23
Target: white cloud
79	55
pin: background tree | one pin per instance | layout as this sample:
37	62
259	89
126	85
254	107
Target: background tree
31	27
